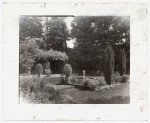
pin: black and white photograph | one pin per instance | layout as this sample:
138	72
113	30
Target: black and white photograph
74	59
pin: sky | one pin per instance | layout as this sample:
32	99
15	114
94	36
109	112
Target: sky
68	21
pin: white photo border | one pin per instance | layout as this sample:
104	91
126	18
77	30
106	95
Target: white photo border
136	110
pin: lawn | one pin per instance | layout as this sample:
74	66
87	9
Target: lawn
118	94
48	90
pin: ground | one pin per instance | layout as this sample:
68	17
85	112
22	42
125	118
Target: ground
117	94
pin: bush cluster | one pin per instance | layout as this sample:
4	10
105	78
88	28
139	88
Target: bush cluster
124	79
92	84
36	91
30	85
54	94
27	51
117	78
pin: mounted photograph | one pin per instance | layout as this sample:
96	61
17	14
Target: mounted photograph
74	59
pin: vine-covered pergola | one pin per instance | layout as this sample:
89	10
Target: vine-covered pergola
56	59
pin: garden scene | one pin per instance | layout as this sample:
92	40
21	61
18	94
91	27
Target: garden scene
74	60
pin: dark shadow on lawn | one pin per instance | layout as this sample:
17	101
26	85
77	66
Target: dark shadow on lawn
77	86
112	100
80	87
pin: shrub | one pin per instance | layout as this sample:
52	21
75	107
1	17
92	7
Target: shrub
109	64
48	72
47	69
29	86
47	66
34	90
116	77
73	80
91	84
39	69
27	51
102	81
67	70
53	80
124	79
55	94
122	62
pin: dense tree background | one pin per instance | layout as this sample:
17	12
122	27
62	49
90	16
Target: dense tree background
92	35
44	36
30	27
56	34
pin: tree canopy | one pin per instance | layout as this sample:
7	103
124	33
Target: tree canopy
30	27
45	38
93	34
56	34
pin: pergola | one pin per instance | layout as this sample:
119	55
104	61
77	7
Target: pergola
56	59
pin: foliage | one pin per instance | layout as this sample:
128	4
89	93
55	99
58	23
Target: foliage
34	91
53	80
73	80
92	35
29	85
120	79
51	54
67	70
48	72
94	83
122	62
109	64
30	27
54	93
27	51
91	84
47	68
102	81
56	33
124	79
39	69
116	77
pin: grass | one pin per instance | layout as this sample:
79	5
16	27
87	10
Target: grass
48	90
118	94
112	100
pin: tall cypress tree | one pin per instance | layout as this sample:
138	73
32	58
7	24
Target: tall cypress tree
109	64
122	62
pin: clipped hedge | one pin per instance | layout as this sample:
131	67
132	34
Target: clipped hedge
39	69
54	80
67	70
